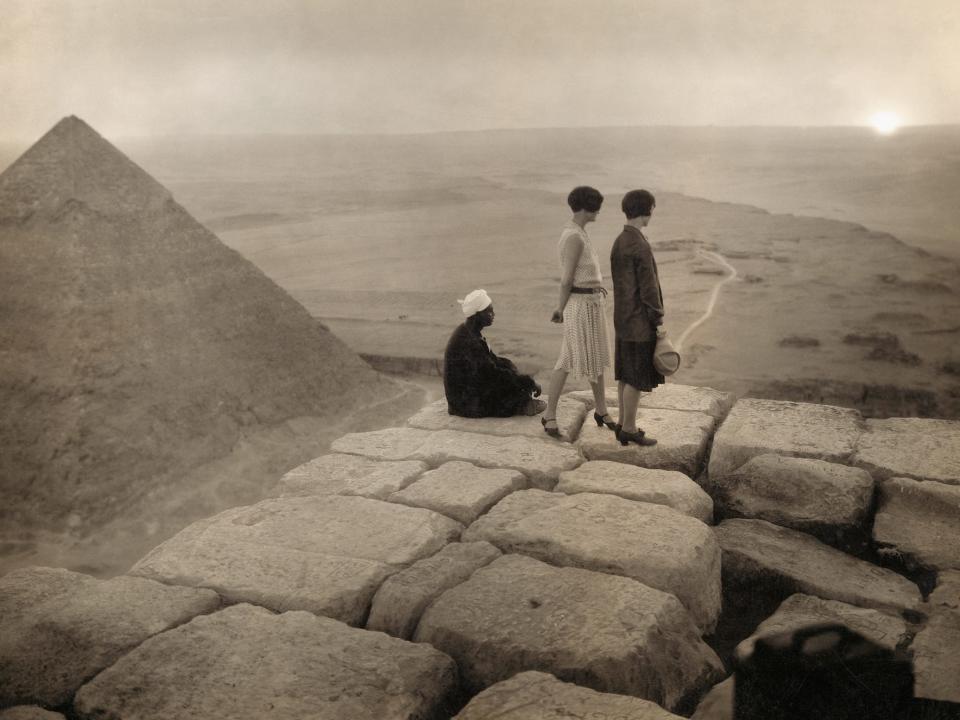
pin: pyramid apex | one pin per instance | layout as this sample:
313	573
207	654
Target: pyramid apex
73	162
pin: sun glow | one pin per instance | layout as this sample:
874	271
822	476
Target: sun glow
885	122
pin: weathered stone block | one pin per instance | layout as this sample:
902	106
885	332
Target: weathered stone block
540	696
761	427
341	474
936	662
825	499
460	490
654	544
799	611
762	558
601	631
918	524
660	487
246	662
29	712
434	416
540	460
325	554
60	628
682	439
917	448
403	597
671	396
718	703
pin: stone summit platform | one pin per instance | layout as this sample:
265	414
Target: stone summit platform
457	567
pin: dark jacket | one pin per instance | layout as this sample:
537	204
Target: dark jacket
637	298
477	382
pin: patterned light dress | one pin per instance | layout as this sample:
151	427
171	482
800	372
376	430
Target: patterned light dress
585	348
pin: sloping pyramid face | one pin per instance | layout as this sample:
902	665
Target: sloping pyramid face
134	345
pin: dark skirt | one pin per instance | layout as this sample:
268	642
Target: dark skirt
633	364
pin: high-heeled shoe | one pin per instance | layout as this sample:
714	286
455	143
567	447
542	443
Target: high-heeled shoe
599	419
639	437
551	431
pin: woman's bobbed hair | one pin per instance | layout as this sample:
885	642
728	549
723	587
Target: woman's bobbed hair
637	203
585	198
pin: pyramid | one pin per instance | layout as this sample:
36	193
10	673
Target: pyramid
134	345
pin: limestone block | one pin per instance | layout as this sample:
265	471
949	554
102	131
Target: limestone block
760	427
918	523
246	662
605	632
825	499
341	474
540	460
660	487
671	396
936	665
946	595
325	554
718	703
799	611
29	712
540	696
917	448
682	439
59	628
434	416
936	662
403	597
761	557
460	490
655	544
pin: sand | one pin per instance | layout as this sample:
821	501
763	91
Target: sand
379	236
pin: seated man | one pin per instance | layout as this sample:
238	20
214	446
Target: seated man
477	382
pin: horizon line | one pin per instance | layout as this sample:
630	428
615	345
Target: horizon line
475	131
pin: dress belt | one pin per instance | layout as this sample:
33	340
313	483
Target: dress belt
586	291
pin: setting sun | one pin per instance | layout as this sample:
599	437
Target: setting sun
885	122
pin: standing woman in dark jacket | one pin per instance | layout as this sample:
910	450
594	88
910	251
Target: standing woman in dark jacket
637	314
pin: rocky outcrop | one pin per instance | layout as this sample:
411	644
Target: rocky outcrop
654	544
800	610
325	554
339	474
682	439
570	414
59	628
540	460
246	662
918	524
762	558
601	631
401	600
660	487
540	696
460	490
824	499
917	448
670	396
762	427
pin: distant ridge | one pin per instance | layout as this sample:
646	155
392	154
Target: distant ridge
134	345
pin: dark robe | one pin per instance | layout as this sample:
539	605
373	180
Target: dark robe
477	382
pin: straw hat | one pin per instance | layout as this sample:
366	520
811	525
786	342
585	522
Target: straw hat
666	359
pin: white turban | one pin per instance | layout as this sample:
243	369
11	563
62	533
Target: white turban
475	302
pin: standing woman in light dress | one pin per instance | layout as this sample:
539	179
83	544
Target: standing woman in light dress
584	350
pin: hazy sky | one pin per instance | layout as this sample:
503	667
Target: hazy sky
132	67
